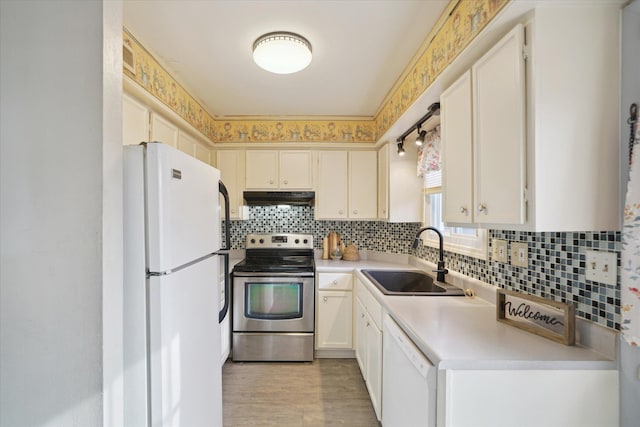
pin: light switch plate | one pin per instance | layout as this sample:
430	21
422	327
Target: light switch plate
602	267
499	250
520	254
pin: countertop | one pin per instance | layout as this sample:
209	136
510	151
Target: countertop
463	333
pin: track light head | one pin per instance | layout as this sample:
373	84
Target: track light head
420	138
401	148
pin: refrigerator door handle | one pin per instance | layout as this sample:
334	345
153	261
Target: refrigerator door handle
225	251
227	224
225	308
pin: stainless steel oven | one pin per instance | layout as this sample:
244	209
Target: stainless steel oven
274	299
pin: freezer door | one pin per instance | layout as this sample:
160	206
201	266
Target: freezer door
184	346
183	208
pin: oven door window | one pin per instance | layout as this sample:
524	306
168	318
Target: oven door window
273	300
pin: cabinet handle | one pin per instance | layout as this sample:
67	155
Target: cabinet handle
335	282
368	324
270	181
482	207
286	182
325	299
463	210
340	212
355	211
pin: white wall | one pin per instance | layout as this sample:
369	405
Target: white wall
58	144
629	356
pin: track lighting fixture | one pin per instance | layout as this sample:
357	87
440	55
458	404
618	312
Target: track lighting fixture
401	148
434	110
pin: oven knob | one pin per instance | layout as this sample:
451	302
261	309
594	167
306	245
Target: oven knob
253	241
297	241
305	241
261	240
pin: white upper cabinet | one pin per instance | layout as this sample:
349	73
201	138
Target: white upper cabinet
399	187
141	124
273	169
135	121
544	119
498	94
262	169
347	185
331	191
363	184
231	165
573	115
383	182
296	169
163	131
483	134
457	151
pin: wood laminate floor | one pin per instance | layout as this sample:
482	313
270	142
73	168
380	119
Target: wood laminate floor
324	392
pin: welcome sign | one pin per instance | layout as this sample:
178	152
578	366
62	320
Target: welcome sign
549	319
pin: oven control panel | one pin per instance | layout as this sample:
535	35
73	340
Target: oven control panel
280	241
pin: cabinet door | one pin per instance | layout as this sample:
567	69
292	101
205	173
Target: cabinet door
331	195
231	166
335	281
499	132
374	364
163	131
262	169
360	327
135	121
335	312
296	170
383	182
187	144
363	185
457	149
204	154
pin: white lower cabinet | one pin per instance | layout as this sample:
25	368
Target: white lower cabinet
334	312
368	326
527	398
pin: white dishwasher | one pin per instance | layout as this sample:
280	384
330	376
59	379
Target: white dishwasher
408	381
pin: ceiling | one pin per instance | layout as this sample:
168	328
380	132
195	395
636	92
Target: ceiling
360	49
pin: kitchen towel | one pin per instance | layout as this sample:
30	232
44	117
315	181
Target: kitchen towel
630	256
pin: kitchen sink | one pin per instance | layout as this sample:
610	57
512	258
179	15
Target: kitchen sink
409	282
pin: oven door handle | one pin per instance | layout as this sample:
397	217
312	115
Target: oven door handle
269	274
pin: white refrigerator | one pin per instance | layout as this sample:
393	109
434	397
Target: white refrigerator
171	289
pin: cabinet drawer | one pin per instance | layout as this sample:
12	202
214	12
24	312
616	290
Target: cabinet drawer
371	305
342	281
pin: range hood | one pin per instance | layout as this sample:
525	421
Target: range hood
269	198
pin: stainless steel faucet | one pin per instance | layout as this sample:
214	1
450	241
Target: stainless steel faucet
441	270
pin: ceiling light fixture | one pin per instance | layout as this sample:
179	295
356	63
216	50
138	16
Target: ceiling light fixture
401	148
282	52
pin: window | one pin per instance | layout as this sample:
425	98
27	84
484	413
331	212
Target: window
461	240
466	241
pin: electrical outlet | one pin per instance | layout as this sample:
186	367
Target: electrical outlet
601	267
499	250
520	254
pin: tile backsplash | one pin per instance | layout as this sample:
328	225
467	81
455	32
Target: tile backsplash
556	259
